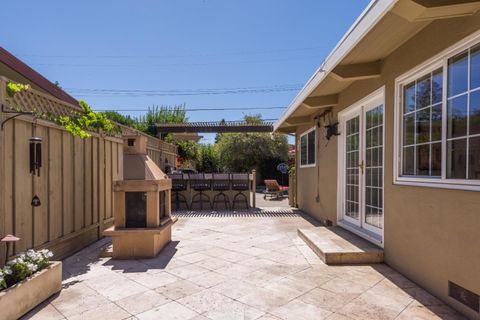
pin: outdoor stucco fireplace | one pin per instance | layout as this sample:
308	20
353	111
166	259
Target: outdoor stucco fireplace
142	210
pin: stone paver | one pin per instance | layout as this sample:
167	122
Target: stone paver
234	266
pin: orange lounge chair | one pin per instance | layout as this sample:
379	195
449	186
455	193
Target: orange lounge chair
273	189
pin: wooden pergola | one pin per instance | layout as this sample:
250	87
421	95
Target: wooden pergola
214	127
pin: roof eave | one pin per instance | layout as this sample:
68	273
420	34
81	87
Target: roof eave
375	11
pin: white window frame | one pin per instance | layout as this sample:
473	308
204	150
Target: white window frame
438	61
305	133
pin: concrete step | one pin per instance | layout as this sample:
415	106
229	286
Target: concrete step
335	245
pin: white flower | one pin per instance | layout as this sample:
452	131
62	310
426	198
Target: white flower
31	267
7	270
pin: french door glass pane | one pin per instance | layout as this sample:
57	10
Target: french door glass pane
374	165
352	157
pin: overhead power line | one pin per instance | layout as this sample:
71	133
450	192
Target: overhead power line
152	65
189	92
166	56
193	109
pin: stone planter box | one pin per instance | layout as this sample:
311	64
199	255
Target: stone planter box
27	294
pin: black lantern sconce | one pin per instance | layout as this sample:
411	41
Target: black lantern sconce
35	155
331	130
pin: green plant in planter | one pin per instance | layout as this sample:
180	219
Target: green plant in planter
78	123
23	266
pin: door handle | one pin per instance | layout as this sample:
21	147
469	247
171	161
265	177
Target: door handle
362	166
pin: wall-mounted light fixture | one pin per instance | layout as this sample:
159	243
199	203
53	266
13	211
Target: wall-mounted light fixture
35	155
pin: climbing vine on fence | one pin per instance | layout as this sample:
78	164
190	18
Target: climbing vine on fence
77	123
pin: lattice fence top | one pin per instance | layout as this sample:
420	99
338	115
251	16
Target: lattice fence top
36	101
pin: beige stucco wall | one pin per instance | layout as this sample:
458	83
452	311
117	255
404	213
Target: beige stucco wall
431	235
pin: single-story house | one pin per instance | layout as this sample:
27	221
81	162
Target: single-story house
402	166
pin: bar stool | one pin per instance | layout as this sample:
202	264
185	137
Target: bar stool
199	183
240	183
179	183
221	182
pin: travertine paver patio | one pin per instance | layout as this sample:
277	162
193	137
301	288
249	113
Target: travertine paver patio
250	266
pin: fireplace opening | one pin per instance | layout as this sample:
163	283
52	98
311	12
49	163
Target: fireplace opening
135	210
162	205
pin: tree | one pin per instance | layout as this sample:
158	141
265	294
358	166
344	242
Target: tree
160	114
242	152
208	158
120	118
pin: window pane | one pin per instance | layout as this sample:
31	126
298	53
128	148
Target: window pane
423	126
457	117
475	112
409	98
474	158
436	160
456	159
475	67
409	129
303	150
423	92
458	74
311	147
437	86
423	160
437	122
409	161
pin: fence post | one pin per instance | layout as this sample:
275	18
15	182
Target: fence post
254	188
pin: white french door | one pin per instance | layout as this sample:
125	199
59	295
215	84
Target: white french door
361	165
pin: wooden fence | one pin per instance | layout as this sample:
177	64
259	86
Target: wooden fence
74	186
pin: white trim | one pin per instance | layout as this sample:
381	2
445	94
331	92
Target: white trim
377	97
438	61
374	12
305	133
364	235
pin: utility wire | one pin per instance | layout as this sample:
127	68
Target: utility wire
193	92
150	65
193	110
136	56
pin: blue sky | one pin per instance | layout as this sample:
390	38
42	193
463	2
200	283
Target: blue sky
201	53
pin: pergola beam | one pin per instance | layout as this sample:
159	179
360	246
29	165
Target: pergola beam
358	71
214	127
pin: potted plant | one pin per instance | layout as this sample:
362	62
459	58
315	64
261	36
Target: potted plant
28	280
